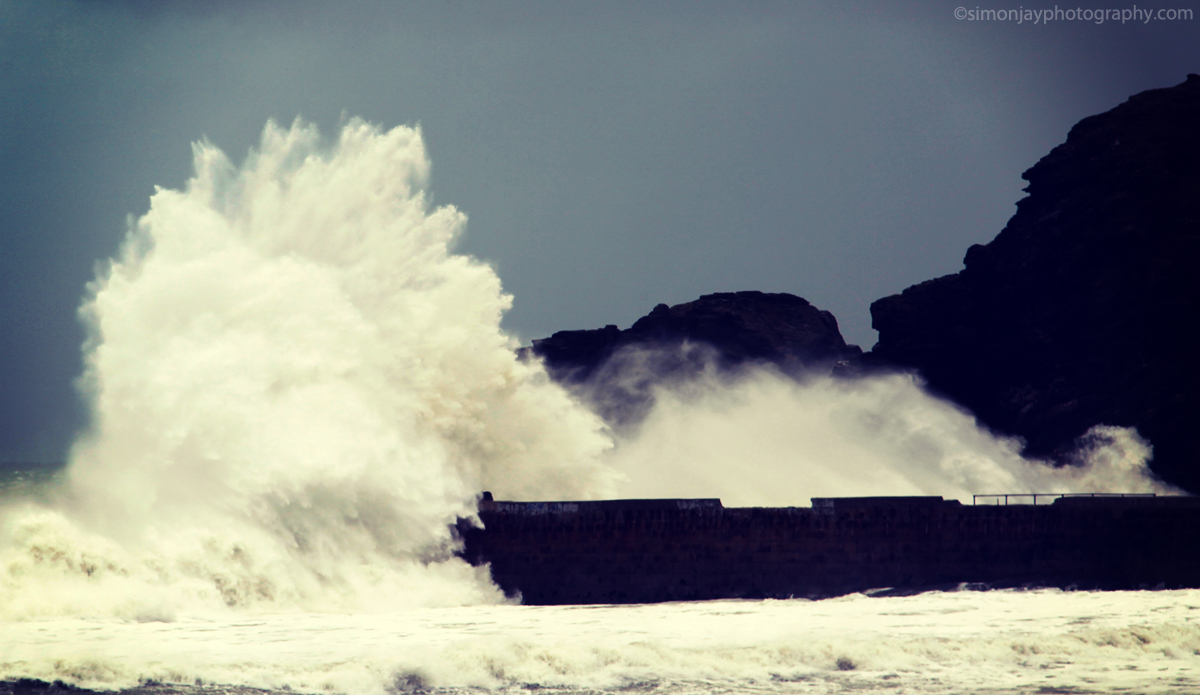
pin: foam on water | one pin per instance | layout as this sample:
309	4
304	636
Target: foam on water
967	641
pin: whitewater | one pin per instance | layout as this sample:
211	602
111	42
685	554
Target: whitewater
297	386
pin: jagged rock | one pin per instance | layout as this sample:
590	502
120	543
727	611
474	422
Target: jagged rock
575	355
616	369
1080	311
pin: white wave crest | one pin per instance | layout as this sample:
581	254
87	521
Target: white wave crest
296	387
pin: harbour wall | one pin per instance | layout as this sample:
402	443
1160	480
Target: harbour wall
641	551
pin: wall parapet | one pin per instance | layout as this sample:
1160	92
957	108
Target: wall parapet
637	551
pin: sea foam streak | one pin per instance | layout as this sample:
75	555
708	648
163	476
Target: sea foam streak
296	387
944	643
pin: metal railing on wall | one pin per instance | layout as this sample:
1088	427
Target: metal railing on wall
1052	495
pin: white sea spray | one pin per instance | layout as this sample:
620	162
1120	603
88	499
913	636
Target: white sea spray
764	439
296	387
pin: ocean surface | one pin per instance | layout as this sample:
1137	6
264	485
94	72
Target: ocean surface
1040	641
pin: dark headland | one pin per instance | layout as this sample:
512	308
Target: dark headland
1079	313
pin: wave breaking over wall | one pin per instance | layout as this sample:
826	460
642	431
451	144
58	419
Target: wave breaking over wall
296	387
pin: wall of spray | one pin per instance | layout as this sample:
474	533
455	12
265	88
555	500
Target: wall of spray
297	386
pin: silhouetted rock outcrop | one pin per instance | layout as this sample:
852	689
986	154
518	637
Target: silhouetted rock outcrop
616	369
1080	311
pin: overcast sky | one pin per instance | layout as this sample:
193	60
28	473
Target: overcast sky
610	155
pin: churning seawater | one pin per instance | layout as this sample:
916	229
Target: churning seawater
296	387
1008	641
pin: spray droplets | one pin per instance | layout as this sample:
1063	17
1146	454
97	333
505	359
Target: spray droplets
296	386
767	440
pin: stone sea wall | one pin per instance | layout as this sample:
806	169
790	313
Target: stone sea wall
640	551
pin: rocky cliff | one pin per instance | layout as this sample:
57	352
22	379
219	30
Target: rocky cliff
1080	311
617	369
1077	314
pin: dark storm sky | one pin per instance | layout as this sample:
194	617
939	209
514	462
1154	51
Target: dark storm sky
610	155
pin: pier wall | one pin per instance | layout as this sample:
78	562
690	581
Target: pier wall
637	551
